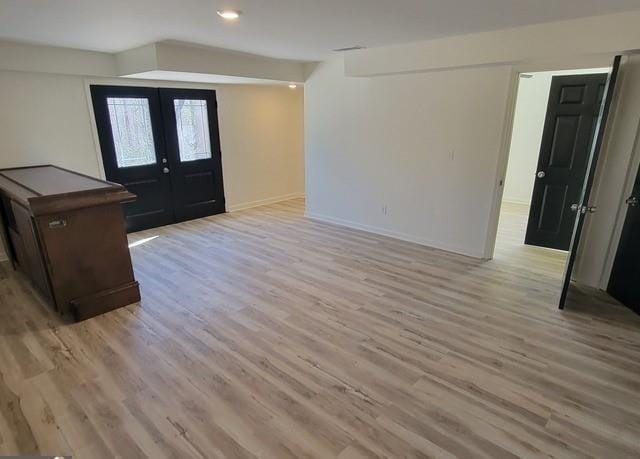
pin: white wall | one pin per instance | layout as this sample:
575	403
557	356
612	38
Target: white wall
45	118
261	135
424	145
528	124
52	59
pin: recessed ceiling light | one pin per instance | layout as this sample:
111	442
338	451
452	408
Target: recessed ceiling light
292	86
229	15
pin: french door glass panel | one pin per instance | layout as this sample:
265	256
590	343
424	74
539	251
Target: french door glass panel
192	125
132	132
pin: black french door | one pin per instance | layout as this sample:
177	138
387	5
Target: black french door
132	141
193	152
163	145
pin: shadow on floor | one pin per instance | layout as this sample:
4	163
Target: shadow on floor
598	305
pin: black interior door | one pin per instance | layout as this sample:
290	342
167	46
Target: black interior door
130	131
193	152
624	283
582	205
572	112
163	145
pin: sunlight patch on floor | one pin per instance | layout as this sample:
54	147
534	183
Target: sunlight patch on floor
142	241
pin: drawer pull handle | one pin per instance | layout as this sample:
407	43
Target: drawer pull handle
56	224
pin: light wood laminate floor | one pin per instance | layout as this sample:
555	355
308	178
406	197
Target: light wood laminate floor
265	334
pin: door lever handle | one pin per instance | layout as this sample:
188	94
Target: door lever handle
165	170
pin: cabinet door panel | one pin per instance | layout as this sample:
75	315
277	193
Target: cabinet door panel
33	264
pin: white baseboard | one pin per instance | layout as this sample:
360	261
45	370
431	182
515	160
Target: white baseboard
263	202
394	235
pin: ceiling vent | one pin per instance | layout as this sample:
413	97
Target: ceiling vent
349	48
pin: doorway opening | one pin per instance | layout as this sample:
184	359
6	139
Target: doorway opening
554	123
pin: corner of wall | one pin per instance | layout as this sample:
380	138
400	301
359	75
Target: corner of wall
264	202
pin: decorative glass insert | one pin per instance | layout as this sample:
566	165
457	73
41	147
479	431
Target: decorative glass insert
192	123
132	133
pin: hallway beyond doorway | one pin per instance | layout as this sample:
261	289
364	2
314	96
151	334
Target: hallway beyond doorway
510	244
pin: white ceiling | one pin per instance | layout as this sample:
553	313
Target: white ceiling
291	29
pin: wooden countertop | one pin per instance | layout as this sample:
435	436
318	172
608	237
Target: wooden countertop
51	180
49	189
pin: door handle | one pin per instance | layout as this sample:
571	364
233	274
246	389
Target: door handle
632	201
165	170
541	174
584	209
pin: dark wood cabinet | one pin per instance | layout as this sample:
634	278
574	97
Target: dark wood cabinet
65	231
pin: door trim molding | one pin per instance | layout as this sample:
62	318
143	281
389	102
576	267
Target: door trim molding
501	167
582	62
94	126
